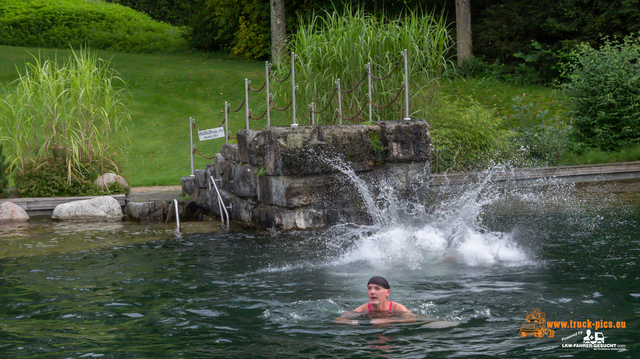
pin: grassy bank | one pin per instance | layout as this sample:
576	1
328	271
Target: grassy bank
165	90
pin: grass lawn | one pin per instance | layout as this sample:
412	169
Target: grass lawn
165	91
168	89
499	95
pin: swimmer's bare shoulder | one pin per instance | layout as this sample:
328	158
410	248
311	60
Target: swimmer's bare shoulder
399	308
362	308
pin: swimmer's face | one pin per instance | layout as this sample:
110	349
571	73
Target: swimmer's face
377	293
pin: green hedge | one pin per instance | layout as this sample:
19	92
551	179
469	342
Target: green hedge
50	179
60	24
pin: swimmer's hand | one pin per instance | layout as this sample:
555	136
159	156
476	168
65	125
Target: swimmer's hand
348	318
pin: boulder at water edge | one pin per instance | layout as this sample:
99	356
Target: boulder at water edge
109	178
11	212
99	209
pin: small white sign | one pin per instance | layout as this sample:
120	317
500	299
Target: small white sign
211	133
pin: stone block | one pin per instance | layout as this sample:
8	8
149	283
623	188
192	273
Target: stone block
210	171
201	179
286	191
209	201
11	212
98	209
311	149
239	180
406	141
147	211
108	178
251	147
242	210
230	152
351	144
188	185
218	163
283	219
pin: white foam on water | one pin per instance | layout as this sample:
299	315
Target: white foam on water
415	247
449	230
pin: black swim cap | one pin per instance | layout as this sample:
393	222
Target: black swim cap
379	281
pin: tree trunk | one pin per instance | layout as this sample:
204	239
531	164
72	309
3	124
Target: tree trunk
278	30
463	30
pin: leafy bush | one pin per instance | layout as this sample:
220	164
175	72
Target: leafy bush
68	112
174	12
240	27
42	23
541	137
546	62
50	179
467	137
603	88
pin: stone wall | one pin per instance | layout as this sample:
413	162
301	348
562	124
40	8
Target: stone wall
288	177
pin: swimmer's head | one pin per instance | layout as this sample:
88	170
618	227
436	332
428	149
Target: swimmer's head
379	281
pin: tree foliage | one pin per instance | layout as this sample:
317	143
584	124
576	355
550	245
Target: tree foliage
503	28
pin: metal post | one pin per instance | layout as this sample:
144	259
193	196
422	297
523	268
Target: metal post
191	121
339	101
266	70
175	202
406	85
246	101
293	85
369	93
313	115
226	122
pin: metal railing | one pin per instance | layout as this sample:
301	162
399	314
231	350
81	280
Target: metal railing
221	205
337	92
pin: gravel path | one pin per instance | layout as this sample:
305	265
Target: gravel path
154	193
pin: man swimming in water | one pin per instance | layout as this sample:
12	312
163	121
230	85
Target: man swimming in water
378	291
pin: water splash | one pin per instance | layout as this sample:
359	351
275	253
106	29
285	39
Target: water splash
437	225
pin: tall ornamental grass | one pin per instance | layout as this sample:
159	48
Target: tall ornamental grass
66	112
332	46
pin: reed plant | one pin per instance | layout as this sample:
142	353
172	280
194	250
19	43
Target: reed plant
333	46
69	112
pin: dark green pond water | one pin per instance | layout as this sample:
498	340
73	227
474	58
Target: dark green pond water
477	257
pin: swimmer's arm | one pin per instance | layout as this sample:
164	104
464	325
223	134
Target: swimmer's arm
348	317
406	317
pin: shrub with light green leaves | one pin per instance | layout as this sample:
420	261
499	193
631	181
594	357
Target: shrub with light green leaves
60	24
604	94
467	137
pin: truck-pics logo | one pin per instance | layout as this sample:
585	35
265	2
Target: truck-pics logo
535	324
